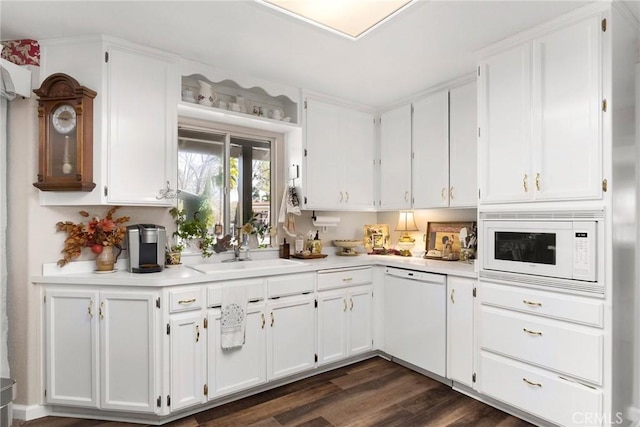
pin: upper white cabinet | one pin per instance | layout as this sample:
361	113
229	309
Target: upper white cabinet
339	157
436	160
540	117
463	145
395	155
430	171
141	131
135	118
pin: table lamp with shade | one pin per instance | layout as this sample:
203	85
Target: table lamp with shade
406	223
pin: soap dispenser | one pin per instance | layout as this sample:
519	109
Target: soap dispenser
316	244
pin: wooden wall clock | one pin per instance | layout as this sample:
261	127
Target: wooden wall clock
65	115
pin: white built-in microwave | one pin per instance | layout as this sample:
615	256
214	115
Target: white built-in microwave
564	249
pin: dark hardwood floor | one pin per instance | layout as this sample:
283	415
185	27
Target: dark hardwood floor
374	392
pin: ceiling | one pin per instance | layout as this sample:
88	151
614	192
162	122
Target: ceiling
429	43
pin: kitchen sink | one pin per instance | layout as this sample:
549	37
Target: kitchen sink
248	266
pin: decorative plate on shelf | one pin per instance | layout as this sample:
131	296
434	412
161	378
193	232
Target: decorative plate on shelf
376	237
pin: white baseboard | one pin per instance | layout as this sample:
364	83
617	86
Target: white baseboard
28	413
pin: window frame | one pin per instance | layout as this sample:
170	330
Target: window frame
276	156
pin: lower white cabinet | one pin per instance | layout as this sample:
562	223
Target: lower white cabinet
460	294
538	351
344	323
542	393
188	360
235	369
102	349
291	340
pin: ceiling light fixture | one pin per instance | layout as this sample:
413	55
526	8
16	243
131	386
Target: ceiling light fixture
348	18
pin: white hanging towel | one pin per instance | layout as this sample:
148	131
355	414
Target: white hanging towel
289	208
233	320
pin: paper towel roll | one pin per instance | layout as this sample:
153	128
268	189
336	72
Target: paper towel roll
326	221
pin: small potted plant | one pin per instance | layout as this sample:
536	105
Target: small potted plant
173	254
192	229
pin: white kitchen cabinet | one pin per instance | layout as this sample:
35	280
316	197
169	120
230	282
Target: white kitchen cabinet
567	89
395	159
72	329
339	156
541	351
463	145
135	118
344	323
102	349
232	370
444	149
291	337
187	336
460	294
142	120
430	171
504	114
528	95
415	318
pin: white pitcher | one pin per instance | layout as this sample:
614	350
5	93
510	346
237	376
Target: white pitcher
206	96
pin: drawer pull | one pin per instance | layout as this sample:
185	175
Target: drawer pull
263	320
90	309
197	333
344	305
351	304
453	301
187	301
272	319
536	333
532	303
531	383
347	279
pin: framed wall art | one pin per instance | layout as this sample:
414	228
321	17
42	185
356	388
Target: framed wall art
455	235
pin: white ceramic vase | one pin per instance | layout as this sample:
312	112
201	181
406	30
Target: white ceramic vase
206	96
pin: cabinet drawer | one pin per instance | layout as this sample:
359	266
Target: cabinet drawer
255	291
558	306
562	347
185	300
293	284
539	392
331	279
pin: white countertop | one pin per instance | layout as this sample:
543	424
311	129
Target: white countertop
82	274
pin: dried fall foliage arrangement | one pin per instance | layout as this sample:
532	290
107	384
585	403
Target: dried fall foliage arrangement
96	234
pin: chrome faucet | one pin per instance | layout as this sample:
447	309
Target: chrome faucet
240	251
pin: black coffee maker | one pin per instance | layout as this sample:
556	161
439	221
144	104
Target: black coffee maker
145	243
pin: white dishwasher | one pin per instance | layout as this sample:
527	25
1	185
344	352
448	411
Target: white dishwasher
415	318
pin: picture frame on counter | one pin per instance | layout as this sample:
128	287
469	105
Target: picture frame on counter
376	237
445	238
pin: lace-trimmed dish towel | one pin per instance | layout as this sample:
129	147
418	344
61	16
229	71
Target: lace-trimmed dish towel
233	320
